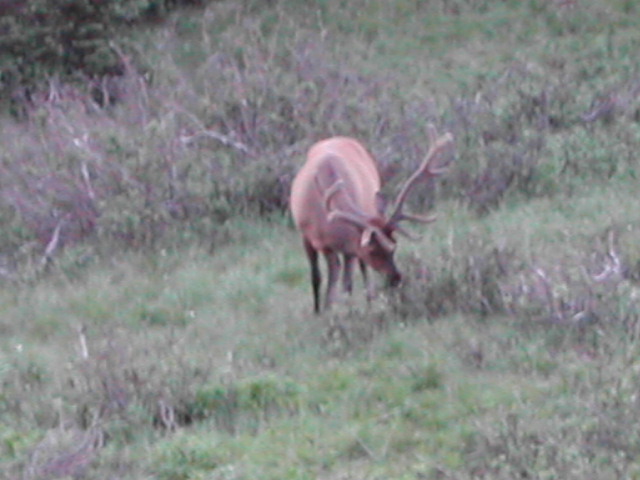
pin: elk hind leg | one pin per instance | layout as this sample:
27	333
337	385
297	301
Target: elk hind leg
316	277
333	266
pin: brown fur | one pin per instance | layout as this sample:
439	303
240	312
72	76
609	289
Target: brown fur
335	202
328	161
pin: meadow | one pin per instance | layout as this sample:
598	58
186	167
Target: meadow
155	307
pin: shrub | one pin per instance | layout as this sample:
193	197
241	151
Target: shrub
228	103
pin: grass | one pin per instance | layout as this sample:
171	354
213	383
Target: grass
175	340
254	384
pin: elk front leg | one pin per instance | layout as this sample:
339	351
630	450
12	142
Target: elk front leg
367	283
347	274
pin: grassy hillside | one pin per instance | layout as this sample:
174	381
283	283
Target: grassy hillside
167	332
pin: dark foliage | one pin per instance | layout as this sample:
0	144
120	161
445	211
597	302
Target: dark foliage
40	38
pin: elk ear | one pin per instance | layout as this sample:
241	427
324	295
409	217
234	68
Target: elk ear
381	203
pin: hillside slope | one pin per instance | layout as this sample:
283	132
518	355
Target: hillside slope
170	335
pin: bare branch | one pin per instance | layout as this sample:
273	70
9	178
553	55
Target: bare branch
53	242
226	140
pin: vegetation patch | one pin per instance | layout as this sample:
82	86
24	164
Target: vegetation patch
155	311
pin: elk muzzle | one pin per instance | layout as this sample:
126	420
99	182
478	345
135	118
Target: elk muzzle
394	279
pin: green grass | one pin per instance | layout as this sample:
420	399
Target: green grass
258	386
511	349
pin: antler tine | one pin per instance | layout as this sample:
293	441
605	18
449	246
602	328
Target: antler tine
351	217
354	215
368	229
436	147
417	218
405	233
335	188
331	192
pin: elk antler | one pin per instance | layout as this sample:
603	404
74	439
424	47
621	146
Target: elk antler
331	192
426	170
368	229
355	216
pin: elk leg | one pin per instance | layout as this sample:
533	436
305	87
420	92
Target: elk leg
316	277
367	284
333	265
347	274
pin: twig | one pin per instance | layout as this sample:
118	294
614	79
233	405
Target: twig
224	139
82	338
167	415
548	290
53	243
613	266
206	132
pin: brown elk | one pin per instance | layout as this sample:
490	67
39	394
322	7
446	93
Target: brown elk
337	207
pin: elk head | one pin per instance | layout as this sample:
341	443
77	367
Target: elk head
336	205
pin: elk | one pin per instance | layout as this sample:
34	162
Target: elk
337	207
